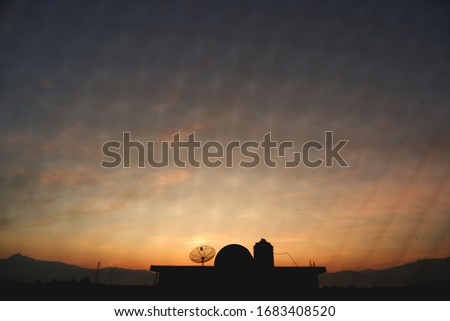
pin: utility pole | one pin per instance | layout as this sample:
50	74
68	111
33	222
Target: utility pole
97	273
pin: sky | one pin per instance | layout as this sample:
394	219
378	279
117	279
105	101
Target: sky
77	74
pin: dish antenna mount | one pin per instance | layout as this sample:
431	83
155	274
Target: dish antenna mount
202	254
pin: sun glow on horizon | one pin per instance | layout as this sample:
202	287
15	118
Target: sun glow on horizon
74	79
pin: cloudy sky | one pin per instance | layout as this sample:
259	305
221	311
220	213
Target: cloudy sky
76	74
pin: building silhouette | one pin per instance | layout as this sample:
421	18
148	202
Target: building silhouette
263	254
237	274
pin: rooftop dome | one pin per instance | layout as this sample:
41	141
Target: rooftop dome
233	257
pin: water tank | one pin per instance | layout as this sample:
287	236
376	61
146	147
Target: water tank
263	254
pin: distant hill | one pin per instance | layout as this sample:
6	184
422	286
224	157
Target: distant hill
425	271
25	278
20	268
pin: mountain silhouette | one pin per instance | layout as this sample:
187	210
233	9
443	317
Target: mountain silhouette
25	278
424	271
20	268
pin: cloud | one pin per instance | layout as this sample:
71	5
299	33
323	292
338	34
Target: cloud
295	70
184	131
172	178
5	222
72	142
67	177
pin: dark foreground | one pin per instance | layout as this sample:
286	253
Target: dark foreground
79	291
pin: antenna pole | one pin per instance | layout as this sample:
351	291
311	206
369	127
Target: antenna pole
97	273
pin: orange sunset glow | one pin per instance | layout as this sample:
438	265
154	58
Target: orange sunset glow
75	76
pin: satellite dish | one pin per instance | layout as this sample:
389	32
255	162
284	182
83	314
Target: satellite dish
202	254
